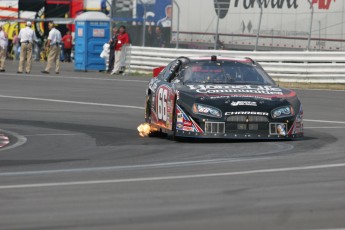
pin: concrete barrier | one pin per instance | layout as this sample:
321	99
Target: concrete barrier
306	67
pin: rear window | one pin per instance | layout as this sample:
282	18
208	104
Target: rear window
224	72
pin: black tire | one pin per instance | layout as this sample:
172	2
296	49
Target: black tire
148	119
147	110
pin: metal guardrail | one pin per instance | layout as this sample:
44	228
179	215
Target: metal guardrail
306	67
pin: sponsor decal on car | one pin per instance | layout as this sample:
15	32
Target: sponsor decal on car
179	125
189	129
153	84
170	107
267	98
177	95
179	117
246	113
243	103
187	123
210	89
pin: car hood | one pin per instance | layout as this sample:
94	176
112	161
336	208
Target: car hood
217	91
238	97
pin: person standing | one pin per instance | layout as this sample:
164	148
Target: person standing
112	43
67	44
165	25
122	39
150	36
26	37
159	39
15	45
3	48
53	43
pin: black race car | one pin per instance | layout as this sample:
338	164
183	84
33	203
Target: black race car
221	97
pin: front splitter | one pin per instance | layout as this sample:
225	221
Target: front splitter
253	136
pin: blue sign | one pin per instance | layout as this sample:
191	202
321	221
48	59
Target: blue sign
157	11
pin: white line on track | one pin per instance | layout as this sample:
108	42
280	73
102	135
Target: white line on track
53	134
72	102
80	78
124	167
330	229
163	178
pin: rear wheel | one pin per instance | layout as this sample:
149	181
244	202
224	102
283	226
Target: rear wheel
148	119
148	110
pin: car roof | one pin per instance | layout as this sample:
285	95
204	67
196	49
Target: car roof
218	58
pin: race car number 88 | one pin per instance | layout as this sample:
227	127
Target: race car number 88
162	108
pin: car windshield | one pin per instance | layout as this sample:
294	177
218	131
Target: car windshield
224	72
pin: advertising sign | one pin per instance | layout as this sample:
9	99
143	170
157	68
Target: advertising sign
158	12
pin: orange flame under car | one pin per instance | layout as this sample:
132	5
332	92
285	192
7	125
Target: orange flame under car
144	129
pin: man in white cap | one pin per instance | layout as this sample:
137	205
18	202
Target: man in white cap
3	48
26	37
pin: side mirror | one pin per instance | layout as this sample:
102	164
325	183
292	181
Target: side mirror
157	71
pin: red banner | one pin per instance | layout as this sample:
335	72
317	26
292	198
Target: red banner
323	4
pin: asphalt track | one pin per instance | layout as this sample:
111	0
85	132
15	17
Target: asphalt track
76	162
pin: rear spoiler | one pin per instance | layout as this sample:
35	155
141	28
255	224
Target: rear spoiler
157	71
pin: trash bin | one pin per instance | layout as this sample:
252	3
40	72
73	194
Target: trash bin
92	30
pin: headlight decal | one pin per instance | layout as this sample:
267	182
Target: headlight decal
206	110
284	111
297	126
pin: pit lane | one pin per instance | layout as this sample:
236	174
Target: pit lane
70	143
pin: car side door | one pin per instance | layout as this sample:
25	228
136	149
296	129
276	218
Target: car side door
165	98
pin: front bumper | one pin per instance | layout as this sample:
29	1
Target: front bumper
239	127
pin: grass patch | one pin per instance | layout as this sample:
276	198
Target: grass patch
299	85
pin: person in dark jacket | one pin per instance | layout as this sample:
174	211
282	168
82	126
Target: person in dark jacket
112	43
159	39
150	36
